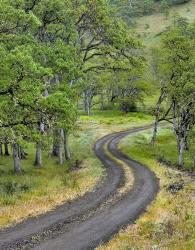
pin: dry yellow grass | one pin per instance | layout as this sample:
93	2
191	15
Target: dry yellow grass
129	177
163	226
36	204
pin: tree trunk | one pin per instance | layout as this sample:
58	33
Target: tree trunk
17	164
88	110
55	150
175	126
38	156
1	150
6	149
181	151
66	146
60	153
87	103
157	114
187	147
19	152
154	135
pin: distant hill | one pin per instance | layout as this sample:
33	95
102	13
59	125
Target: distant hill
133	8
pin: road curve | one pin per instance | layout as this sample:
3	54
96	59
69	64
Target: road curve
85	223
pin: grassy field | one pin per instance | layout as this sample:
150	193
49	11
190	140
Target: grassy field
40	190
169	222
150	27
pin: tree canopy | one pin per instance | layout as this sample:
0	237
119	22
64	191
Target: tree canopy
47	49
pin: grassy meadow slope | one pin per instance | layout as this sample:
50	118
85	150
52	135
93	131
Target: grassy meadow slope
150	27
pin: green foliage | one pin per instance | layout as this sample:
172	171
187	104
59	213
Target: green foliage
174	70
53	51
127	105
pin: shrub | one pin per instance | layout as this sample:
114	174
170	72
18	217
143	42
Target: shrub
127	105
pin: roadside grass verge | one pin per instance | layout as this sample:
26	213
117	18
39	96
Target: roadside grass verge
169	222
40	190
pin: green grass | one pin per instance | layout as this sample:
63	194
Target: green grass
116	118
165	149
39	190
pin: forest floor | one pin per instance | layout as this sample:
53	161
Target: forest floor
40	190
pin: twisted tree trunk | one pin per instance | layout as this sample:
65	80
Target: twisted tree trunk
182	123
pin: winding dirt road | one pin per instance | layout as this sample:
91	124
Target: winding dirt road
91	220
